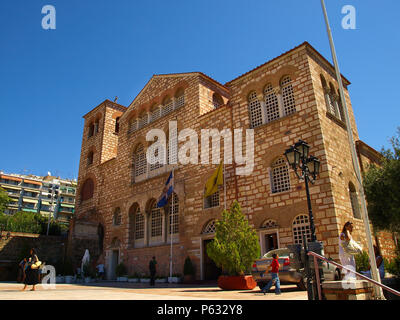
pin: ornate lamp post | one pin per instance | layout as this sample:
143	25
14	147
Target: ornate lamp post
298	158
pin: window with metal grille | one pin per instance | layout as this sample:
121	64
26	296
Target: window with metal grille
289	105
256	118
139	225
173	215
217	101
140	162
280	176
158	153
133	125
167	107
209	228
143	120
156	222
301	225
355	205
180	101
212	201
271	104
172	145
155	113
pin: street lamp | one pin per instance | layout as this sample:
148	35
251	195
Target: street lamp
298	158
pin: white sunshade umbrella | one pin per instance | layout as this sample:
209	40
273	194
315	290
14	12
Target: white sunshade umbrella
85	259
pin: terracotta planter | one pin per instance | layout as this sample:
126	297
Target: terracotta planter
236	282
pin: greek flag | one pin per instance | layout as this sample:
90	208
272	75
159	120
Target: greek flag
167	191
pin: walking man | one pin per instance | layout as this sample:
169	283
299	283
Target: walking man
152	267
274	266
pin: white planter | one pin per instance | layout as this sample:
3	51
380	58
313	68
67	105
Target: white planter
69	279
88	279
174	279
163	280
122	279
145	280
134	280
60	279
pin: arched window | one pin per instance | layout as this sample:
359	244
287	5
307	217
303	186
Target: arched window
212	201
139	161
97	126
217	100
340	106
289	105
300	226
167	107
271	104
136	226
117	218
87	190
269	224
91	130
355	205
133	125
332	98
139	225
143	119
209	228
279	176
156	221
155	113
173	214
158	153
90	158
179	98
256	118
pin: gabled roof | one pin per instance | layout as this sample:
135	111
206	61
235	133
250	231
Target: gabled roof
304	44
107	101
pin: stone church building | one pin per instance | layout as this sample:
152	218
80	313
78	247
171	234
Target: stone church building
293	96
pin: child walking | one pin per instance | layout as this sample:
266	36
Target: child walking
274	266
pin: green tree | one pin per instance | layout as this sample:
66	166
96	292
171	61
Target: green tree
4	200
382	189
235	246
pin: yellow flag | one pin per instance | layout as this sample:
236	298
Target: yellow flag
214	181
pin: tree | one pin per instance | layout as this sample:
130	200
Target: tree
382	189
235	246
4	200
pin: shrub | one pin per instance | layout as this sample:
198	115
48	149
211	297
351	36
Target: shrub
362	261
188	268
121	270
235	246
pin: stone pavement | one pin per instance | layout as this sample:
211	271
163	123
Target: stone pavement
138	291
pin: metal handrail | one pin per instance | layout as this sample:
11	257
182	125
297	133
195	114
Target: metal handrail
316	255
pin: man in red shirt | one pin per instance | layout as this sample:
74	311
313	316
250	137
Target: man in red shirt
274	266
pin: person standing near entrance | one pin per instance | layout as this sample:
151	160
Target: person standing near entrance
153	269
274	266
32	271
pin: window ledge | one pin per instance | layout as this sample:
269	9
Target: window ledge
275	120
338	121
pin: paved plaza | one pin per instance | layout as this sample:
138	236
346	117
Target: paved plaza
138	291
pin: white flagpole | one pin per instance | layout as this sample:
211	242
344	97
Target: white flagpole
224	189
170	220
374	273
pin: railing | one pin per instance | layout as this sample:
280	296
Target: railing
317	256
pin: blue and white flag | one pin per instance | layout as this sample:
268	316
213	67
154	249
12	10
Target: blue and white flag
167	191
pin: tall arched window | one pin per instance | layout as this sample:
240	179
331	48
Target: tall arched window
289	105
155	113
279	176
139	161
90	158
143	119
156	221
271	104
355	205
173	214
87	190
300	226
139	225
133	125
179	98
117	218
167	107
256	117
117	125
340	106
212	201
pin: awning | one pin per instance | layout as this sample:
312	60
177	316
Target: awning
67	205
30	200
10	178
12	199
46	203
29	210
31	190
9	187
33	182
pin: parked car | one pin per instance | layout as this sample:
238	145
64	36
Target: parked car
287	274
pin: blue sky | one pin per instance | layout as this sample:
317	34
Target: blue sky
101	49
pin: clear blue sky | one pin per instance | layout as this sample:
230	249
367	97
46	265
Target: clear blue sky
101	49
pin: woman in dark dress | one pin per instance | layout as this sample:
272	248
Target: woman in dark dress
32	274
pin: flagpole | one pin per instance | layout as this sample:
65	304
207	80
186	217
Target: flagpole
224	189
374	273
170	220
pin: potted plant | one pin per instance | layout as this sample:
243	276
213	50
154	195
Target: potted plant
234	249
121	273
176	278
188	271
161	279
